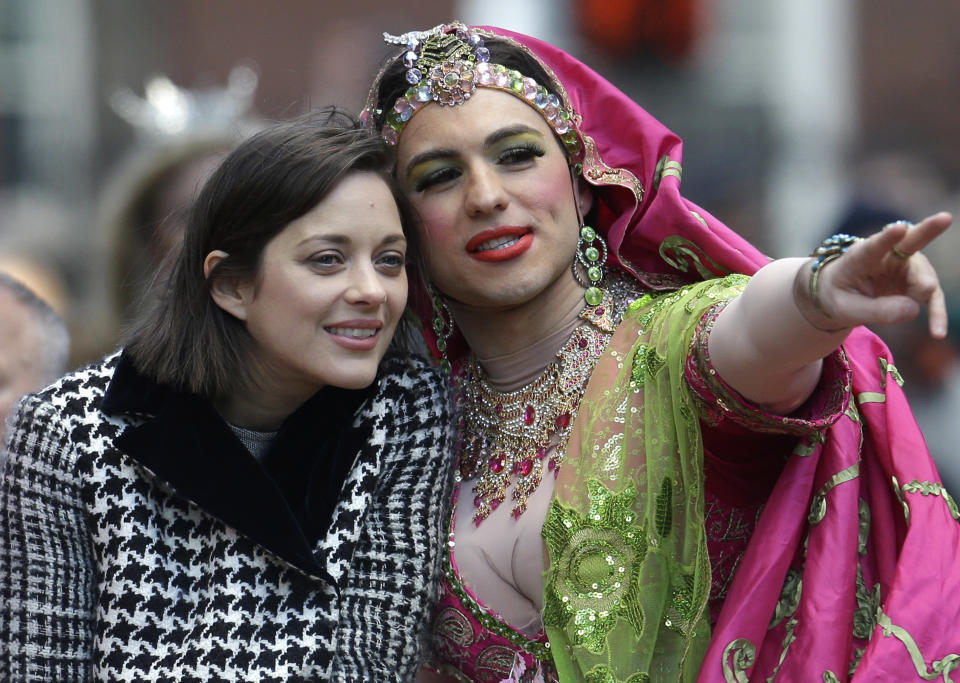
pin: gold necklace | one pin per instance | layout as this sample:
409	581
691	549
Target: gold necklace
506	435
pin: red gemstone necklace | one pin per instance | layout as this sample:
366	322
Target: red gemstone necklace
506	436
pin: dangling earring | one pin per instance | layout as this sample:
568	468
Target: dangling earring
591	254
442	327
591	250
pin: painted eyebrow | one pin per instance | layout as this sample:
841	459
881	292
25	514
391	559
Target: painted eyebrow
494	137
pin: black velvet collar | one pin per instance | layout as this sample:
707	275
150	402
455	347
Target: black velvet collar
185	442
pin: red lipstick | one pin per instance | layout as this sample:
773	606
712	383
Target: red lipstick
523	236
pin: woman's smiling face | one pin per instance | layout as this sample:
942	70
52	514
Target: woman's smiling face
493	189
330	290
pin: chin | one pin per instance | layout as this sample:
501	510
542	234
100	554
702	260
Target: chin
354	381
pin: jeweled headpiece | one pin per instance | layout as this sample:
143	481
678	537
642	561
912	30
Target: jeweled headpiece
447	63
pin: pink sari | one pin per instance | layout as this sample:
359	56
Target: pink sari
908	602
824	588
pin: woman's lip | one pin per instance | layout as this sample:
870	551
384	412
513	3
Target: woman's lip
360	323
356	343
505	253
495	233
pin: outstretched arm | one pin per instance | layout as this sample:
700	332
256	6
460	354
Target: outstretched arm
768	343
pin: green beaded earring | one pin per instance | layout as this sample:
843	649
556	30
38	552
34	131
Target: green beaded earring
591	254
442	328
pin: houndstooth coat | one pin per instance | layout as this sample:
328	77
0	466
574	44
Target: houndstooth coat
138	543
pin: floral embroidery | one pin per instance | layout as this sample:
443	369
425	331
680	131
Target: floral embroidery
593	579
738	656
818	508
601	674
663	515
789	597
932	488
937	668
646	363
673	249
868	604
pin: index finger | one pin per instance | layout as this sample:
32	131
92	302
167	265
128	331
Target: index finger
923	233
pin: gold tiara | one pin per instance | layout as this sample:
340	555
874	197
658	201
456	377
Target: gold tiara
446	64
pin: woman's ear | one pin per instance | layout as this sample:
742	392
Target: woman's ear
584	196
227	292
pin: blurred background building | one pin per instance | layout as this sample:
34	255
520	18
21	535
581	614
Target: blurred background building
797	117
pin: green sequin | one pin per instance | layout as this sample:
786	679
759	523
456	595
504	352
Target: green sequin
592	580
588	234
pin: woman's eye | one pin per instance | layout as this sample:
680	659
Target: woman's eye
326	260
438	177
392	261
520	154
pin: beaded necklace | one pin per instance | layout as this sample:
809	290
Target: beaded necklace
506	435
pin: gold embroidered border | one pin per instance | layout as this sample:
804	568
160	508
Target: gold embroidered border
666	167
938	668
888	368
818	508
931	488
871	397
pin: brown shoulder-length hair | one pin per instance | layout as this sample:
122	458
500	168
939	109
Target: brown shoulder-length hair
182	338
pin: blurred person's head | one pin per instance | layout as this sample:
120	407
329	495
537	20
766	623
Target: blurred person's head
144	211
182	135
34	344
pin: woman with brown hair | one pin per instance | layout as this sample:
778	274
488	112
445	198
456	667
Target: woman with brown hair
247	491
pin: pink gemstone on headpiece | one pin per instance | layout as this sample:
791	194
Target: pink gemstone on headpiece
600	311
552	464
496	463
550	112
477	500
541	453
563	421
390	135
561	126
528	414
484	68
526	466
529	88
495	503
502	80
582	343
403	108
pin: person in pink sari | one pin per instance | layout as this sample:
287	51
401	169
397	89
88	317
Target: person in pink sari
678	459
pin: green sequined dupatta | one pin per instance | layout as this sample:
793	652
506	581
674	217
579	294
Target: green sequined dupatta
625	594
